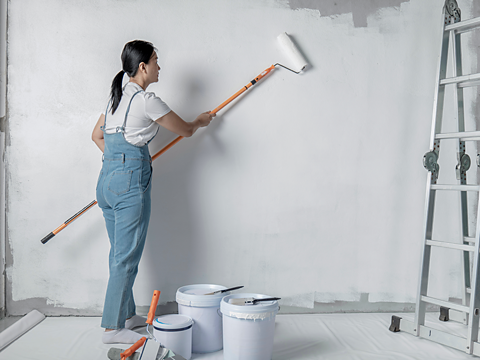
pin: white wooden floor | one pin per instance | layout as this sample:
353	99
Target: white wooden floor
299	337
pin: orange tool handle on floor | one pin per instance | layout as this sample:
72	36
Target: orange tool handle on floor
129	352
217	109
153	307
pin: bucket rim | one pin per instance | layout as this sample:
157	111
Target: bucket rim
261	310
200	300
183	321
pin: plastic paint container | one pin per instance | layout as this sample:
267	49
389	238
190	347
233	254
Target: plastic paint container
204	310
248	330
175	333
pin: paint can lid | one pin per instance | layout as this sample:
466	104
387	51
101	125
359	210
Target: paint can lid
194	295
259	311
173	322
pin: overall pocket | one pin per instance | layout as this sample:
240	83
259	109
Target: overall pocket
120	182
146	180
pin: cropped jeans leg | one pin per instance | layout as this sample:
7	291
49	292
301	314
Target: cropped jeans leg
127	224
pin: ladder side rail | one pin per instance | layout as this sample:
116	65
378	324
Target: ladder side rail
421	306
473	318
439	98
455	41
437	115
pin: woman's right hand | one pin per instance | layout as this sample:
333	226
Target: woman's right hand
176	124
205	118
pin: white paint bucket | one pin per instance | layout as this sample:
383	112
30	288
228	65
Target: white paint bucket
204	310
175	333
248	330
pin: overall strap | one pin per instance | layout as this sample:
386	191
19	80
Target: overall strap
105	120
122	129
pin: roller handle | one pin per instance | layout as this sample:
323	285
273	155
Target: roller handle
129	352
217	109
242	90
167	147
153	307
68	222
222	105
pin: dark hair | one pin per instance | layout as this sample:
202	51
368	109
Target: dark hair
134	53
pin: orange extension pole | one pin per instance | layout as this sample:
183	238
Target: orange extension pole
217	109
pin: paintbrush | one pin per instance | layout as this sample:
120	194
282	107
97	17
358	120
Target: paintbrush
250	301
225	290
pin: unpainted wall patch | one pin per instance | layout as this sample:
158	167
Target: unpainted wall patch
360	9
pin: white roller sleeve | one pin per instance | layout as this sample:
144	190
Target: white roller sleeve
292	52
19	328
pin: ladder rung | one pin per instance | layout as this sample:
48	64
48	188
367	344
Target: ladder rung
469	239
447	304
469	84
450	245
459	135
456	187
464	26
444	338
463	81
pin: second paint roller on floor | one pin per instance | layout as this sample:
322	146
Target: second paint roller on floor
298	62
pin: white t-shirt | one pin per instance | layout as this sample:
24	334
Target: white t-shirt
144	110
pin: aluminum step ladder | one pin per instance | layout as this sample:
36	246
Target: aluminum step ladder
468	311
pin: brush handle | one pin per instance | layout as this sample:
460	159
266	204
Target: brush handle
254	301
153	307
230	289
124	355
225	290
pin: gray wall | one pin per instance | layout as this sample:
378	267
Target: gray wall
3	88
309	187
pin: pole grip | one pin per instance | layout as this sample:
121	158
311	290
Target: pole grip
48	237
129	352
153	307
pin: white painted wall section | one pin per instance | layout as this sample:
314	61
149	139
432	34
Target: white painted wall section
310	187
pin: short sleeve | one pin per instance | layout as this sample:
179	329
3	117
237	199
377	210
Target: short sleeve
155	107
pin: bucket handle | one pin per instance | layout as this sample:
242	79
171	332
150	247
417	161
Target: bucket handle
219	312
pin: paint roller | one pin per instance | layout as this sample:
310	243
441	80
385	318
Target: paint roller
299	63
130	353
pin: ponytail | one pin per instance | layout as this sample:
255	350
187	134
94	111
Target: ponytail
116	92
134	53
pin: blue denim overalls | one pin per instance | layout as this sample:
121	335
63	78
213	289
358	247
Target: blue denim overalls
123	194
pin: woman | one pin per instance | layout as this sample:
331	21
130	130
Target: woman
131	120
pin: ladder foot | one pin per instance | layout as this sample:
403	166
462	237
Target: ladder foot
395	326
444	314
